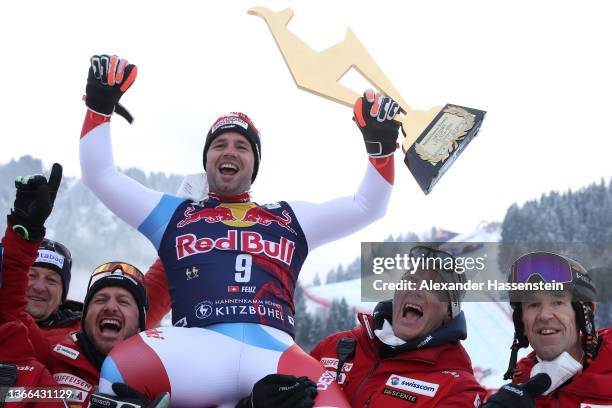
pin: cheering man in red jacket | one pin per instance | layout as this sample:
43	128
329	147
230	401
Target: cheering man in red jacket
408	353
115	305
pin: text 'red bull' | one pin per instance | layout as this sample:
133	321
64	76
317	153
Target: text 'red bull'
242	241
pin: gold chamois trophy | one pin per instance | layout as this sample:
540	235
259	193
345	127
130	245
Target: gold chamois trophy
433	138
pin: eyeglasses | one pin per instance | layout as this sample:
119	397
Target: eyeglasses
117	269
547	266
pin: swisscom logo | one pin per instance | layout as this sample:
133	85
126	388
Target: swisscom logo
412	385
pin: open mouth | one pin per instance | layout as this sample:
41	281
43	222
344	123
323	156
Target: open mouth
228	168
547	332
412	310
111	326
37	299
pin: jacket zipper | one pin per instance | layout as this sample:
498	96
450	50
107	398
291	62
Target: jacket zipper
365	380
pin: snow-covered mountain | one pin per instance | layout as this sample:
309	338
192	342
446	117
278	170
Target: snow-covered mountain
80	221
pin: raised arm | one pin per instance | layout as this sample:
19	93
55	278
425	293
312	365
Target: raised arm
144	209
25	230
331	220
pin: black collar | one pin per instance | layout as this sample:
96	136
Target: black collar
89	350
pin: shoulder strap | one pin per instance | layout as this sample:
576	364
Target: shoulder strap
8	377
345	349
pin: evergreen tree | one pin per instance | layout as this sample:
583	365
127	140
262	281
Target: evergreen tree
331	277
317	331
576	223
303	319
353	270
340	317
346	316
340	274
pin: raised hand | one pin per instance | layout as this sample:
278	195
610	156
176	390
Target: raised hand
374	113
108	79
34	203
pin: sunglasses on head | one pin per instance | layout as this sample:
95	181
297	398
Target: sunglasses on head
117	269
421	251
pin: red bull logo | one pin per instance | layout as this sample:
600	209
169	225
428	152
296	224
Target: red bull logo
243	241
210	215
237	215
260	216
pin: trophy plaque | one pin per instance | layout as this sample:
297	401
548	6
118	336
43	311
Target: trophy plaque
442	141
433	139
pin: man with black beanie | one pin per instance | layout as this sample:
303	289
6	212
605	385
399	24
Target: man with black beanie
48	285
201	240
115	305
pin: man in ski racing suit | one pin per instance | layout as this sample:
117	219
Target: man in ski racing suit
230	263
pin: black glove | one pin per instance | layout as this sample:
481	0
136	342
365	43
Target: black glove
519	395
108	79
127	397
510	396
374	114
33	203
281	391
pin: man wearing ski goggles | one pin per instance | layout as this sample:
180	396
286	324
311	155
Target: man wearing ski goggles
115	305
560	327
117	269
121	286
552	268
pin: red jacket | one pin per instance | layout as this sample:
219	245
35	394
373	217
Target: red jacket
30	373
57	334
439	376
592	386
65	359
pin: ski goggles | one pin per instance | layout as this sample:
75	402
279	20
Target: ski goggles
546	266
117	269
